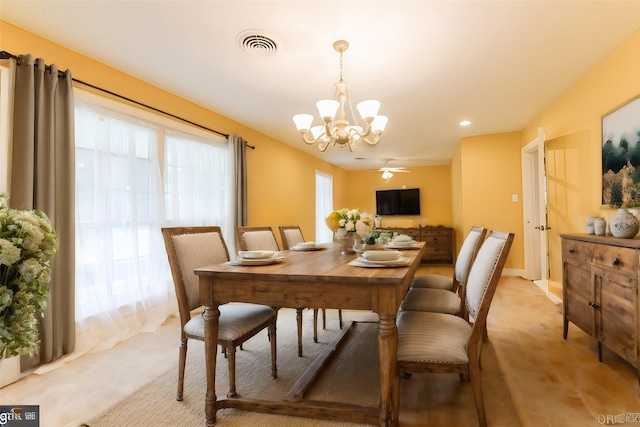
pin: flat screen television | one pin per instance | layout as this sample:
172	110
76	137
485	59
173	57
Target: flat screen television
405	201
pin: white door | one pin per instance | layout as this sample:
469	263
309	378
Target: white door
535	211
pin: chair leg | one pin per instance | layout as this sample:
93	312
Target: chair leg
231	360
274	352
476	387
299	320
340	317
324	318
182	360
315	325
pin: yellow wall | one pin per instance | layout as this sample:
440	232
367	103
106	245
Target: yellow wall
457	205
489	170
434	183
578	115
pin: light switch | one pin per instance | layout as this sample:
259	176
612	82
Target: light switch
514	197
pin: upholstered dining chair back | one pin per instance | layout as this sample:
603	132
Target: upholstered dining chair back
484	275
256	239
291	235
187	255
465	257
467	253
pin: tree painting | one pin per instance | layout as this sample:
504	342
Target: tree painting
621	156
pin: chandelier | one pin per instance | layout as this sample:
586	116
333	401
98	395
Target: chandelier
336	129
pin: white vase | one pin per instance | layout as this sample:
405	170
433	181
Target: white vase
624	224
589	225
600	226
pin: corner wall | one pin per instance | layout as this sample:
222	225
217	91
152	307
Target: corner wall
579	112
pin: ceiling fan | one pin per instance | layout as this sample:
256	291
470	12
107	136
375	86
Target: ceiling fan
388	171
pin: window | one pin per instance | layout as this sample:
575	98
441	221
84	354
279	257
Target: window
324	205
137	172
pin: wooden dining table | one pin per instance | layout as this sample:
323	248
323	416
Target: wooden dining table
320	278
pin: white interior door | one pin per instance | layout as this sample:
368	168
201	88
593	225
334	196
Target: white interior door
535	211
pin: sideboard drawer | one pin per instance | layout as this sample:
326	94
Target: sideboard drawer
577	253
622	260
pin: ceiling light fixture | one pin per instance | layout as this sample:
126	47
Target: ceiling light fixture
336	129
387	171
465	123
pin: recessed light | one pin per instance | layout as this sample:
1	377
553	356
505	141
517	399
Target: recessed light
465	123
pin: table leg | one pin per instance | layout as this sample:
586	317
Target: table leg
211	317
387	350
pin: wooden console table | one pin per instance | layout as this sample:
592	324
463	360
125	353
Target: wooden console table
439	242
600	291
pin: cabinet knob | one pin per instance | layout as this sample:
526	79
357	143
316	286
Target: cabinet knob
593	304
615	261
571	250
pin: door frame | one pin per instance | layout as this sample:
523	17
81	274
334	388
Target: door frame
534	210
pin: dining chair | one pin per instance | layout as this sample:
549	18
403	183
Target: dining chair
292	235
258	238
427	292
187	249
442	343
465	257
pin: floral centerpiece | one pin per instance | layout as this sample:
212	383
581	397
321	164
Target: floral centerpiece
349	225
27	245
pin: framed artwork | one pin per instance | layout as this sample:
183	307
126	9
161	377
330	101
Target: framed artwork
621	156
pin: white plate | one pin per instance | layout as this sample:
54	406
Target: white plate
306	245
362	262
402	243
381	255
263	261
413	245
398	261
256	254
308	248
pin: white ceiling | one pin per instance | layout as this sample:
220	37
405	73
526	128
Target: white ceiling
430	63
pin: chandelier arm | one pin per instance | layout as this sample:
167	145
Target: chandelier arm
362	134
375	141
308	138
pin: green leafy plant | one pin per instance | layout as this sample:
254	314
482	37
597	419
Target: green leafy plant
377	237
28	243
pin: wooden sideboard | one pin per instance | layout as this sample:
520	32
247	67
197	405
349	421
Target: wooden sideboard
600	291
440	242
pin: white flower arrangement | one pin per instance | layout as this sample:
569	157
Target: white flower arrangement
346	220
28	242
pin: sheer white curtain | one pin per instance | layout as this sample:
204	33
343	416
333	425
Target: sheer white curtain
199	184
324	206
121	274
137	173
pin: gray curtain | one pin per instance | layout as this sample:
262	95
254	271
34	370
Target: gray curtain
240	157
42	177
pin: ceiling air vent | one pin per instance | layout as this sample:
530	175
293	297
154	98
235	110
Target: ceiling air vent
257	43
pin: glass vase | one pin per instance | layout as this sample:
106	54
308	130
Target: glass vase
347	241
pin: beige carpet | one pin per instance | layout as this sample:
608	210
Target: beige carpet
351	377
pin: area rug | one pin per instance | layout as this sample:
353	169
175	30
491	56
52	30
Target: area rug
351	376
